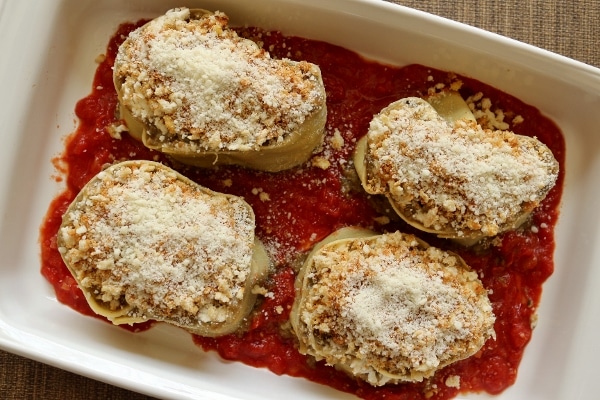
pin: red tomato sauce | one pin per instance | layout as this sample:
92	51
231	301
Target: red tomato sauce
297	208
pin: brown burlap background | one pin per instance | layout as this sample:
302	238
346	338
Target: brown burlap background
567	27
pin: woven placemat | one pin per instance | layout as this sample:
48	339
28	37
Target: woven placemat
569	28
24	379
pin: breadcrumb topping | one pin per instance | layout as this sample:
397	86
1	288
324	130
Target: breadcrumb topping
460	178
140	239
389	308
201	87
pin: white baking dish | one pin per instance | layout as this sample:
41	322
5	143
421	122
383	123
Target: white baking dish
48	51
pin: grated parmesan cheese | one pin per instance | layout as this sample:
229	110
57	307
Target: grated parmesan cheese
455	178
201	87
145	243
389	308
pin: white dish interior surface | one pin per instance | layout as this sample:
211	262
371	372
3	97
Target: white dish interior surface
52	47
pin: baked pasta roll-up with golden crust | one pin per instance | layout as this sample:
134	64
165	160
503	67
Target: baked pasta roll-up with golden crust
145	243
190	87
444	174
388	308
